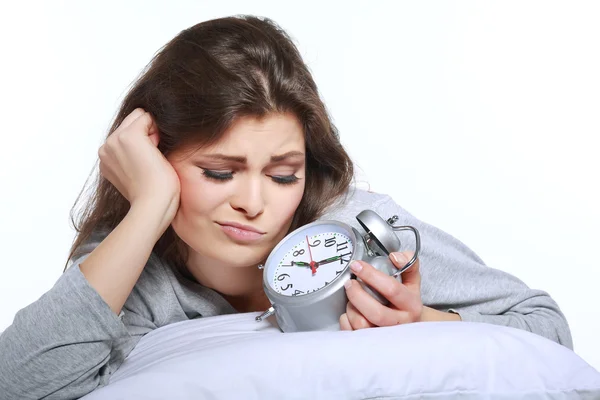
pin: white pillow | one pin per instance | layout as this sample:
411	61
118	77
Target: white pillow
234	357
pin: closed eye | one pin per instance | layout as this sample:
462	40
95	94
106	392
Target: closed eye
285	179
222	176
218	175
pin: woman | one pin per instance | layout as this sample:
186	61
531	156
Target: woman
220	149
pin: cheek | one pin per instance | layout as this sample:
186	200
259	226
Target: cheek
198	198
287	204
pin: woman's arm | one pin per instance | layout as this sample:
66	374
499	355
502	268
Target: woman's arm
431	314
69	341
455	279
114	267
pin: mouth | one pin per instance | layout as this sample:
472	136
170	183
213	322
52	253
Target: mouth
241	227
241	233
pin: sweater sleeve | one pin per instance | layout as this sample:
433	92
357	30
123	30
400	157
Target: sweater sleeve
67	343
455	279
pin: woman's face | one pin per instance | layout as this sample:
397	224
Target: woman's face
239	196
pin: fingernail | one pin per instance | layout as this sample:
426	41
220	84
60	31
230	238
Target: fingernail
400	258
348	283
355	267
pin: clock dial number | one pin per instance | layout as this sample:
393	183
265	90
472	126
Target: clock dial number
281	278
298	252
341	247
319	254
313	265
344	258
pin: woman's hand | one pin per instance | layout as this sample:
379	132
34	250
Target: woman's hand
131	161
405	306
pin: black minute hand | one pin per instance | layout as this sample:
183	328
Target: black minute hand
328	260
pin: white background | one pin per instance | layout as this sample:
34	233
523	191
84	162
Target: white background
481	118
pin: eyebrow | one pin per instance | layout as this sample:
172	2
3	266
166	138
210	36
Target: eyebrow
243	160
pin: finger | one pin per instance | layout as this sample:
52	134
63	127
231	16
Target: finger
135	114
356	319
102	169
411	278
145	123
344	323
154	138
389	287
372	310
148	125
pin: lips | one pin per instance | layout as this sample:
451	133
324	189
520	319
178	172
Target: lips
240	233
241	227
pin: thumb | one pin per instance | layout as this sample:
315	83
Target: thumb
412	276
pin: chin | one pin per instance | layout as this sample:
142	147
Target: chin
227	251
244	256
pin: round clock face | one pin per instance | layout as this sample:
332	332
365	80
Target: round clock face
310	259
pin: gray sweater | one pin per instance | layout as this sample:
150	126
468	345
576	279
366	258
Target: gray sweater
69	342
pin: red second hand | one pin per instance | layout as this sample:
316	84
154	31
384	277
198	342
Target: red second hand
313	265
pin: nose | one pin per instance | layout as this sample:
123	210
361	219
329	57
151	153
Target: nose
248	197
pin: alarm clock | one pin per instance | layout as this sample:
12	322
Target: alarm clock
304	275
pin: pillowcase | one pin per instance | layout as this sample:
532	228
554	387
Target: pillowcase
234	357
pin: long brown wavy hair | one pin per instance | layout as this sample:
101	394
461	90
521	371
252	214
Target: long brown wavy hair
195	87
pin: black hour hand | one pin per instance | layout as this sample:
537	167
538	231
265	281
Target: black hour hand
301	263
